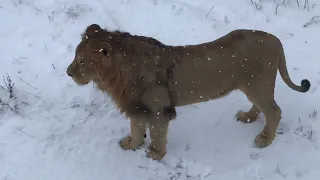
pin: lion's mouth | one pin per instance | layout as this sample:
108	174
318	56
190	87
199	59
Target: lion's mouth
80	82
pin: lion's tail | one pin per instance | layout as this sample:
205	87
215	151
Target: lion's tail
282	66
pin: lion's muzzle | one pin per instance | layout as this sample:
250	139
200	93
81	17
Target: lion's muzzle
70	70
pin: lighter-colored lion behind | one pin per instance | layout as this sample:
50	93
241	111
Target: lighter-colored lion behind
147	80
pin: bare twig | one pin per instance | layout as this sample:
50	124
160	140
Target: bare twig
45	148
278	171
254	156
9	85
36	8
314	20
283	3
17	59
33	95
277	9
299	120
258	6
313	5
16	2
50	18
187	147
306	4
309	136
28	84
57	118
313	114
25	133
210	11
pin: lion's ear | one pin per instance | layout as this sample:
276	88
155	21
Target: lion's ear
92	30
106	48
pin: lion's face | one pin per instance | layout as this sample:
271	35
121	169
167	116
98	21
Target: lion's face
90	55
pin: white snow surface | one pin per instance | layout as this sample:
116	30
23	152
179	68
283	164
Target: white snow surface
53	129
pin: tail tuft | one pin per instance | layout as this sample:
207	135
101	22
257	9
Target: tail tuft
305	85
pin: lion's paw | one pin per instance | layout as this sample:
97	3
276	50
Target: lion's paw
246	117
263	140
154	154
126	143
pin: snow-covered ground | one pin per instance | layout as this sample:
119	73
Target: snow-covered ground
52	129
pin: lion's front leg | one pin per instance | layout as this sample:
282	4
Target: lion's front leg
158	99
158	133
136	139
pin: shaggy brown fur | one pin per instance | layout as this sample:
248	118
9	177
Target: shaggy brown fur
147	79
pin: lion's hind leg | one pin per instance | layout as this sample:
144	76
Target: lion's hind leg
272	113
262	98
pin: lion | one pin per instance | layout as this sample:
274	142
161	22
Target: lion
147	79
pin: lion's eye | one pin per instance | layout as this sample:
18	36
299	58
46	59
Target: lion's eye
104	52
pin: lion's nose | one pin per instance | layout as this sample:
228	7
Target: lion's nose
69	73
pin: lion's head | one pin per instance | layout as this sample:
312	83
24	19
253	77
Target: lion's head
91	54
